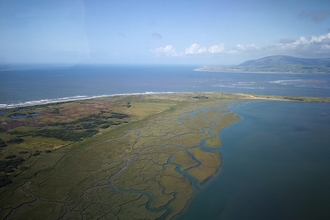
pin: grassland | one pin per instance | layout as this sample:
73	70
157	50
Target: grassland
124	157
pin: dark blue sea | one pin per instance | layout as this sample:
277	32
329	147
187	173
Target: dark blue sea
275	161
28	85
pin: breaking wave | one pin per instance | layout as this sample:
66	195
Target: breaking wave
240	85
71	98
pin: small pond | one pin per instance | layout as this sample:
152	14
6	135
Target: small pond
19	116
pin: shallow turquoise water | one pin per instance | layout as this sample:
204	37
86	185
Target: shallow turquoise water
276	164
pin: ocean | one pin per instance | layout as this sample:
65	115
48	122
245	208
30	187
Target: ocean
22	85
275	161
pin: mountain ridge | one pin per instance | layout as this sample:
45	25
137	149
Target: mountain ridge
277	60
277	64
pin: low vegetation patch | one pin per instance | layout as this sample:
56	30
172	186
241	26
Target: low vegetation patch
121	172
15	141
65	135
2	143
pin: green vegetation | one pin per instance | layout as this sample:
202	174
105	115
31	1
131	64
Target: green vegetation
210	162
7	167
65	134
294	98
15	141
2	143
4	180
118	157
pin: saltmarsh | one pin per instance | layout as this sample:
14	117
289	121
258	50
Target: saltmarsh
120	157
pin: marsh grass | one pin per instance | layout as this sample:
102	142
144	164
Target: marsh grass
75	154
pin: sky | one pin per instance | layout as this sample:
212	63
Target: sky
205	32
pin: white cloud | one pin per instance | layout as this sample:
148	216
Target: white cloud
315	44
217	48
321	39
303	46
195	49
248	47
168	50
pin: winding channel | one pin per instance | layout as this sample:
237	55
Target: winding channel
178	168
126	162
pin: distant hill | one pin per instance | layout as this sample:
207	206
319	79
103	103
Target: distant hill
276	64
280	61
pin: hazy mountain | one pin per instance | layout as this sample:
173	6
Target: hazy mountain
277	64
280	60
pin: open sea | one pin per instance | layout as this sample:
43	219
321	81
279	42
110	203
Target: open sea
22	85
275	161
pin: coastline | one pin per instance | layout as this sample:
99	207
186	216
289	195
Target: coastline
81	98
155	131
71	99
218	70
257	72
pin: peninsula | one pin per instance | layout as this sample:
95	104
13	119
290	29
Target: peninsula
276	64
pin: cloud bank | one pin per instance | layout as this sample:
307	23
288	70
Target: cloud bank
197	49
168	50
308	47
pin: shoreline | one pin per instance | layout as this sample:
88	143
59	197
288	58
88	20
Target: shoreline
43	102
258	72
72	99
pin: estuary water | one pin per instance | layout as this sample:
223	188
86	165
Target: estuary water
276	164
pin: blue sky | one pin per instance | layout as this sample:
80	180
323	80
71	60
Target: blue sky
218	32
